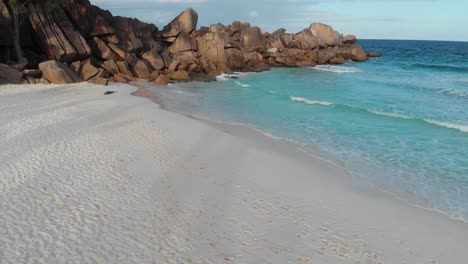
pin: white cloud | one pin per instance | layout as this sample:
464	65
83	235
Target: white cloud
253	13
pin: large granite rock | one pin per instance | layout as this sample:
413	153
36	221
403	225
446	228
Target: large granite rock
211	48
183	42
110	66
154	59
19	65
101	50
85	69
234	58
122	53
101	27
79	12
186	22
124	68
51	38
305	40
142	69
349	39
253	40
374	54
325	55
9	74
181	76
326	35
126	34
162	80
354	52
59	73
71	33
183	61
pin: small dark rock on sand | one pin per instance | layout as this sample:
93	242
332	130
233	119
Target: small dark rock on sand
109	92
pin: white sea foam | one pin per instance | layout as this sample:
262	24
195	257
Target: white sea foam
336	69
391	115
223	77
272	92
463	80
308	101
449	125
453	92
242	84
433	122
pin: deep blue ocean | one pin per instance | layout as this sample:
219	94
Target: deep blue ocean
400	121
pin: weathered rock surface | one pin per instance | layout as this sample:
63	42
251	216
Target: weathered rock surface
211	48
85	69
102	51
20	65
355	53
99	81
305	40
72	34
59	73
253	40
51	38
374	54
142	69
162	80
349	39
124	68
180	75
9	75
183	42
110	66
185	22
102	47
326	35
154	59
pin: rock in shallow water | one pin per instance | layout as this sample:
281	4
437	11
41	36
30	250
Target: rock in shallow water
374	54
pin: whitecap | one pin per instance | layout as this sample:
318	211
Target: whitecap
453	92
448	125
242	84
336	69
272	92
390	114
462	80
309	102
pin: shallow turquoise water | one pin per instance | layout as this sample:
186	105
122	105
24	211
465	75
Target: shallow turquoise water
400	120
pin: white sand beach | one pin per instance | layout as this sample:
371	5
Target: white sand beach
89	178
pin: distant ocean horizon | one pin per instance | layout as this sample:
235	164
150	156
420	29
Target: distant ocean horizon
400	121
420	40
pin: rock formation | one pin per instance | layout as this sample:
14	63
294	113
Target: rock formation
81	42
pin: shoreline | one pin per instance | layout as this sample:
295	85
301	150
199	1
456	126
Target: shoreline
254	135
150	184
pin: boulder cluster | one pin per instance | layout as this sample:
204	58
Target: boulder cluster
81	42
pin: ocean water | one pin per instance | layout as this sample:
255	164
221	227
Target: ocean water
399	121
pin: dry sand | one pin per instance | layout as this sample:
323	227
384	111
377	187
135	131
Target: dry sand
88	178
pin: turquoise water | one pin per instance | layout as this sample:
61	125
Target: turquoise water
401	120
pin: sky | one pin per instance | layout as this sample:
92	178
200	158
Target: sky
367	19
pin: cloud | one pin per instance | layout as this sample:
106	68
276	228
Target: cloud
253	13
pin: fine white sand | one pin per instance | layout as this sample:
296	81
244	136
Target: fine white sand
88	178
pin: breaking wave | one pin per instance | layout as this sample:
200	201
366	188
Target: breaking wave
336	69
309	102
461	128
242	84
